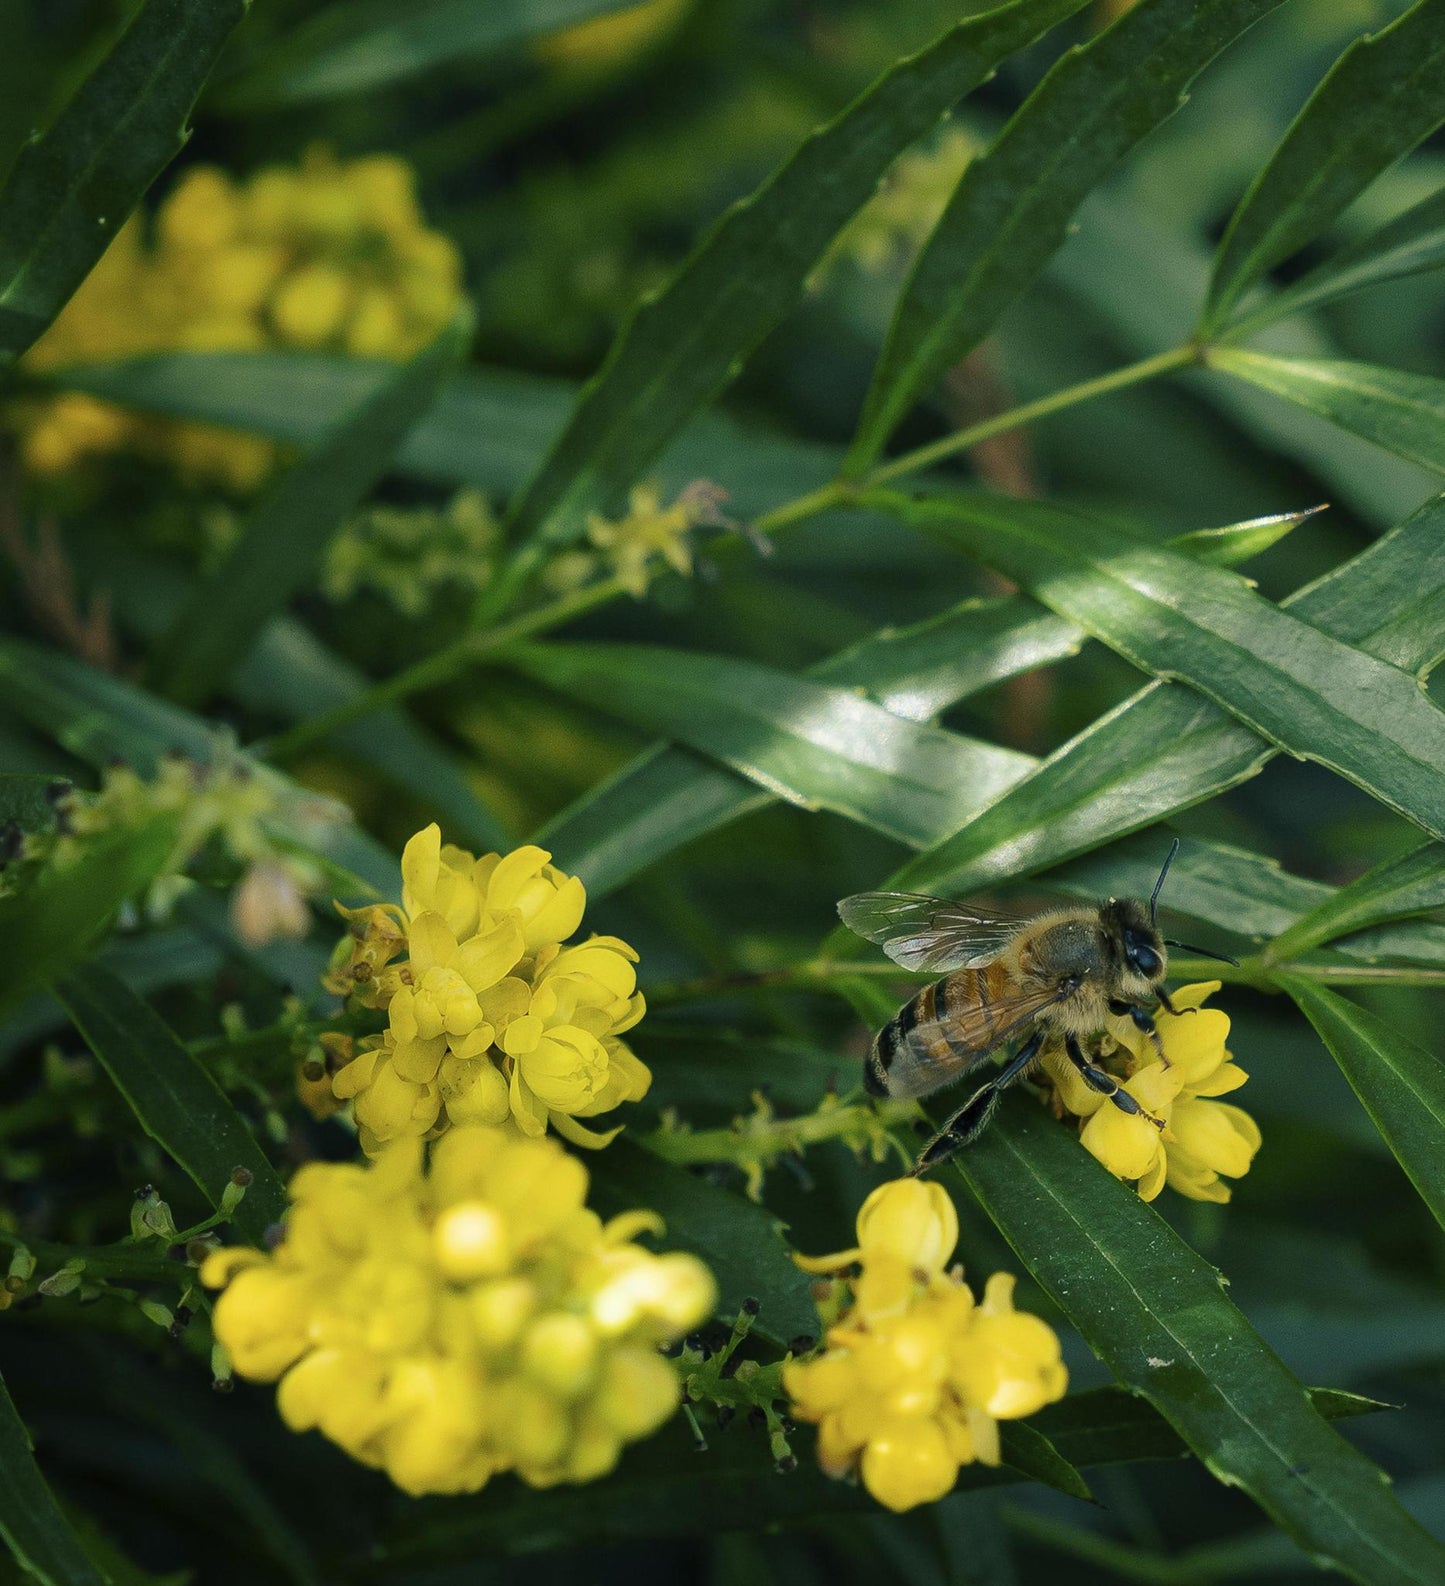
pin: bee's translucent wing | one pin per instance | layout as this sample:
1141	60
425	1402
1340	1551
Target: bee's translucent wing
931	935
936	1051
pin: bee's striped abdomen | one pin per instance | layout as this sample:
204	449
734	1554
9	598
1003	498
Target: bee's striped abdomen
891	1037
932	1026
977	995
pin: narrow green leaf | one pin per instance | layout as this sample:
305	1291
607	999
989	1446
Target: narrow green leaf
1157	1316
1378	101
821	747
289	673
175	1100
99	718
1010	214
488	428
1105	1426
1300	688
742	1242
72	188
370	45
1401	1085
1146	279
1028	1451
668	796
1411	244
664	1487
1243	893
1401	411
1241	542
1163	750
281	546
42	1540
682	346
47	927
1411	883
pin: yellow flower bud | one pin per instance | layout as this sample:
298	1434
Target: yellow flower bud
914	1219
310	305
471	1241
639	1391
501	1310
560	1352
907	1463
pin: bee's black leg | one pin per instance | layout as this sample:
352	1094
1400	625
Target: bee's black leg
1143	1018
1168	1006
1098	1079
972	1118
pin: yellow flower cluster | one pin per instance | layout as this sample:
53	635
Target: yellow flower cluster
915	1374
223	803
411	557
1203	1140
490	1019
328	257
446	1325
636	547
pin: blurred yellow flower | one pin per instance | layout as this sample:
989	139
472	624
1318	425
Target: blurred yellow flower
445	1324
608	40
914	1375
490	1019
331	256
1203	1140
633	546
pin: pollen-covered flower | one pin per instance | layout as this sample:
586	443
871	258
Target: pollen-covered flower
331	256
447	1324
1203	1140
490	1019
914	1374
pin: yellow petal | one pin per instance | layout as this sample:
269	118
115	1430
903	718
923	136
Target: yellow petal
430	942
588	1139
420	866
486	958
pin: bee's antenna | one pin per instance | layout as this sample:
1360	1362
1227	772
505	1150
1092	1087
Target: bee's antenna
1201	952
1154	895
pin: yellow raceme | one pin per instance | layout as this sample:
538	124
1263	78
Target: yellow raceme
1204	1140
915	1374
490	1018
331	256
448	1321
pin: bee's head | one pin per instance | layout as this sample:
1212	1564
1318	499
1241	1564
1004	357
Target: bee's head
1137	941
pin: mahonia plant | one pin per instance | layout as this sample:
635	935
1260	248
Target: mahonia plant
915	1373
1202	1140
449	1319
491	1019
224	805
332	256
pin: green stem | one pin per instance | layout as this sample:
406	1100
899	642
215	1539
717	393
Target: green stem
961	440
764	1137
448	662
136	1263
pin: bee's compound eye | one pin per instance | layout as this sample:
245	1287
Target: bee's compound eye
1145	960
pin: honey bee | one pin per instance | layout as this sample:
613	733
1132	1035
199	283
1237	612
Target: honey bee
1057	974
